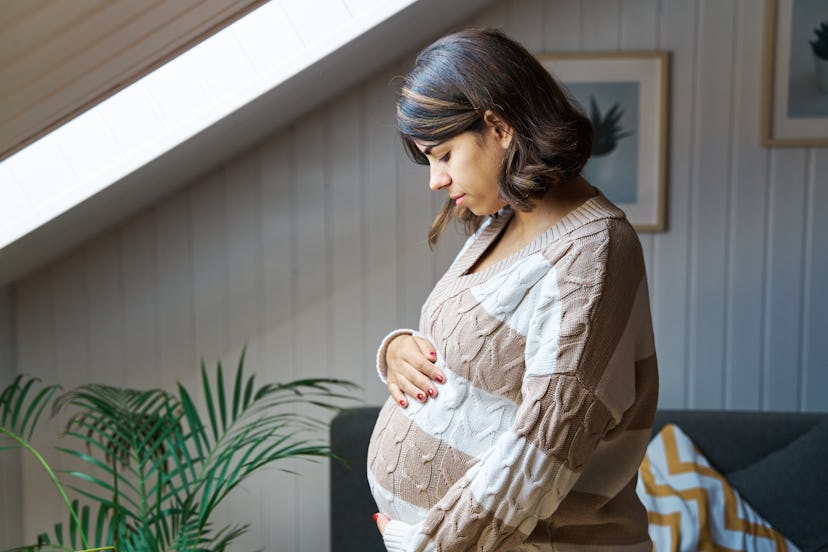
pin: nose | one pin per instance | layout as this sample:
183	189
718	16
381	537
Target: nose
438	177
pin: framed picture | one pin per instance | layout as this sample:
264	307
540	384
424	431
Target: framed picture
795	74
625	96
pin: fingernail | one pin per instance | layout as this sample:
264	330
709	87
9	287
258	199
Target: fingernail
439	378
421	396
433	353
430	391
375	516
402	402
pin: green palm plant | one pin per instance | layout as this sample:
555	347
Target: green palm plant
156	466
608	131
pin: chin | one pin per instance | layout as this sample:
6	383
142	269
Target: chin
486	211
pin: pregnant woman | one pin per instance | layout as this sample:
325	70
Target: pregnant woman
521	408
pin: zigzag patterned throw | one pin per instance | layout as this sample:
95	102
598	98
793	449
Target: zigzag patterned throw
690	506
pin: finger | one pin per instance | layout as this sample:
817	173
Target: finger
426	348
415	384
406	380
382	521
431	355
398	395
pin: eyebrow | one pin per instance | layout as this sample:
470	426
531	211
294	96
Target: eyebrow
427	149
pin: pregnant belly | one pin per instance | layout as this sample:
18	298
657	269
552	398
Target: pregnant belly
410	470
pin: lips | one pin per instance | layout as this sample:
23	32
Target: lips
458	199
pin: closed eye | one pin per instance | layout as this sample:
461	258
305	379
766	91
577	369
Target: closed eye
445	158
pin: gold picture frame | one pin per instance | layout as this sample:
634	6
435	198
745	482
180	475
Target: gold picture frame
794	79
626	95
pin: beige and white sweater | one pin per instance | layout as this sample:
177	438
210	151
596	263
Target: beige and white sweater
535	439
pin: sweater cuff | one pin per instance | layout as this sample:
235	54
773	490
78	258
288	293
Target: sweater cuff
382	367
398	536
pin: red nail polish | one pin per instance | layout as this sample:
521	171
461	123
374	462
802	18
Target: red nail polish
375	516
439	378
402	402
430	391
421	396
432	353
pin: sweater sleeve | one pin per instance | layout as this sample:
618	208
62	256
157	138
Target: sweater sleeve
532	467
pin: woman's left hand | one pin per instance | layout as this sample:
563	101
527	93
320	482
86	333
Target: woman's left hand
382	521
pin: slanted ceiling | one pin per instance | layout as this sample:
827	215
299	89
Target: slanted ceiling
306	53
58	58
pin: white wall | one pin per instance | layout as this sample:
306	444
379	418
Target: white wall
9	460
312	246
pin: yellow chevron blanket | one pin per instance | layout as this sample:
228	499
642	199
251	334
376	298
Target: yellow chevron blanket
692	507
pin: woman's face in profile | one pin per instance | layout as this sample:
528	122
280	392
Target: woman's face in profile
467	167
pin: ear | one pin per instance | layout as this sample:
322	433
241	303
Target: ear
498	128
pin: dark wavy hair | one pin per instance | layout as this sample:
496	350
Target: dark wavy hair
457	79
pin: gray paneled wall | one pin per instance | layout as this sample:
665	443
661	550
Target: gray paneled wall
311	246
9	460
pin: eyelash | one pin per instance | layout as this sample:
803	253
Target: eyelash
445	158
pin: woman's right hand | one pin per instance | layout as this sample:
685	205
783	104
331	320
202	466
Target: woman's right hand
410	363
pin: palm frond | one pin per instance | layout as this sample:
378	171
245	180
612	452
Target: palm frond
157	466
20	412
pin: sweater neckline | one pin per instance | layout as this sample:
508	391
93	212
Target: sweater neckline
595	208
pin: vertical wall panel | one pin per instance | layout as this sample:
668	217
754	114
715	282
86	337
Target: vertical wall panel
562	25
783	292
278	275
71	315
10	498
677	34
312	312
639	24
526	20
173	275
601	24
209	273
815	302
244	275
106	318
496	16
379	220
71	341
35	347
245	317
140	301
311	246
746	224
348	358
712	128
638	31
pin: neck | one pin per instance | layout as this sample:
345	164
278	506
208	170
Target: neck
551	208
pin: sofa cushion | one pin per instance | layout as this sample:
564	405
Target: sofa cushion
789	488
691	506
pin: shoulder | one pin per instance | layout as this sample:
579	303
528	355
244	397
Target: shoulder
599	257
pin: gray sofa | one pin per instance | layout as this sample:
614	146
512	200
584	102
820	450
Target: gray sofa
775	460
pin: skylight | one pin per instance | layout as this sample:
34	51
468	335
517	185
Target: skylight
173	103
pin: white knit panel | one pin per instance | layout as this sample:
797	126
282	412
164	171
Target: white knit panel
519	482
543	334
466	417
393	506
511	295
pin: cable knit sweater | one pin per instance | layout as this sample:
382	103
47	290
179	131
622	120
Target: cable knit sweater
535	439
